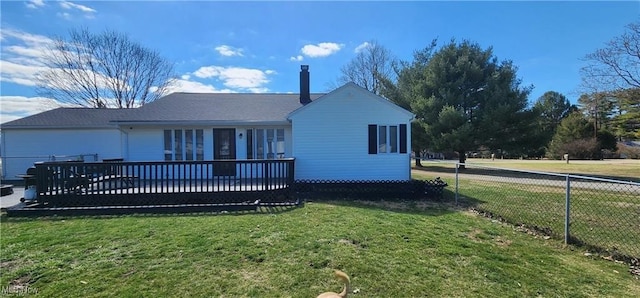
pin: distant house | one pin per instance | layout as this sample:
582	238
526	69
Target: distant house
347	134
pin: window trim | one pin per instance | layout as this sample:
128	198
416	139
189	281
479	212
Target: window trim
396	146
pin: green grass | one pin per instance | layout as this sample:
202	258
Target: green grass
625	169
389	250
603	219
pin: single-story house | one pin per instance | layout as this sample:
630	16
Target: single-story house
347	134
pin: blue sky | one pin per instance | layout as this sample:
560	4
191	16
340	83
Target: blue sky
259	46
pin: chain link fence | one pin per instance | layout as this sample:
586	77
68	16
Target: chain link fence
600	214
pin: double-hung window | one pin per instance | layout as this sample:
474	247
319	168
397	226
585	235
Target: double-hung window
387	139
183	144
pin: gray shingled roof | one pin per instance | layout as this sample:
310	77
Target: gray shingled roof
219	107
69	118
175	107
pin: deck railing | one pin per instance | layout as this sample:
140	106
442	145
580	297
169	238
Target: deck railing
112	183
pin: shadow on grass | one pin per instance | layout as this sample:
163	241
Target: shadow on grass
425	205
429	206
260	210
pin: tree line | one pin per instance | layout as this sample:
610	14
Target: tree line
467	100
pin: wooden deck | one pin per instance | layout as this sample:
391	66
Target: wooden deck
149	187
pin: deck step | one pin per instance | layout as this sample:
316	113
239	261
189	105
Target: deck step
6	189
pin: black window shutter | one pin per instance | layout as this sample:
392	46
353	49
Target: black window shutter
403	138
373	139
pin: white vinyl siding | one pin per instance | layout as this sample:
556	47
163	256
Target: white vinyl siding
330	138
23	147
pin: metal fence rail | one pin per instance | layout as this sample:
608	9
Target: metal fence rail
601	214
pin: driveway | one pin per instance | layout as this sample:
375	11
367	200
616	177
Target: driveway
12	199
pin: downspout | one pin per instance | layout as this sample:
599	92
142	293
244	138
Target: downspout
124	143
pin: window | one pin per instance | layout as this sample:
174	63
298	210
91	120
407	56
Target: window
260	143
199	144
179	144
188	144
280	143
249	143
269	143
387	138
393	139
382	139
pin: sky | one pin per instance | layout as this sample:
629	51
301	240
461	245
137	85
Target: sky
259	46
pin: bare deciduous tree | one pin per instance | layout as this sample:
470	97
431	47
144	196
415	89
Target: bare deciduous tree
617	65
106	70
372	63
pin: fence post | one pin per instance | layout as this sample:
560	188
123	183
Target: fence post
567	209
457	164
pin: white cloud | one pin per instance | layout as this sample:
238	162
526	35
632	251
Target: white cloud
183	85
22	57
16	107
89	12
228	51
71	5
24	37
297	58
362	46
259	90
64	15
19	73
235	77
322	49
35	4
26	75
26	52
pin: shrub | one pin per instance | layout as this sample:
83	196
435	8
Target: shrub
626	151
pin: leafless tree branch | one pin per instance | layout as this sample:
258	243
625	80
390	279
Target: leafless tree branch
617	65
370	66
106	70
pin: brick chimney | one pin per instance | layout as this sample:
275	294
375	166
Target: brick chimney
305	95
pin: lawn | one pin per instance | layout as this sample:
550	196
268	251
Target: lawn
604	218
624	169
388	249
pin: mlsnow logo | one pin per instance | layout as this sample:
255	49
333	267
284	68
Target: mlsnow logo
19	290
